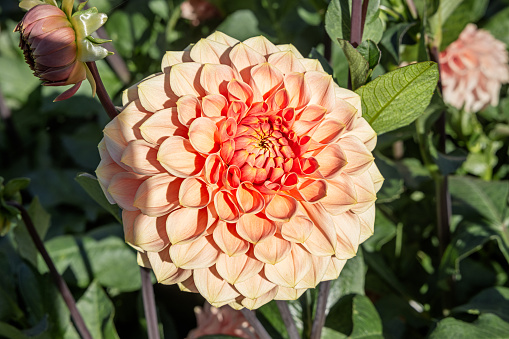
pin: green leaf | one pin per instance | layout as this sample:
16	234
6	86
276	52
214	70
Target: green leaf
391	40
91	185
10	332
338	21
370	51
397	98
14	186
487	326
97	311
468	11
449	163
498	25
385	231
378	264
41	221
426	8
241	25
393	183
492	300
359	67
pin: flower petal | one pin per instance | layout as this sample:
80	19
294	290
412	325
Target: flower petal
186	224
313	190
341	195
348	229
185	79
194	193
262	45
286	293
358	156
332	160
255	286
226	206
322	89
158	195
255	228
161	125
214	288
249	198
123	187
322	240
214	105
155	93
207	51
215	77
188	109
149	233
298	90
273	250
252	304
265	79
281	208
334	269
222	38
165	271
239	268
367	220
291	270
141	156
203	135
178	156
196	254
171	58
227	239
298	229
316	273
243	58
286	62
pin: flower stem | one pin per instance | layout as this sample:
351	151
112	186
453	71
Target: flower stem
356	22
293	333
257	325
57	278
101	91
149	304
321	304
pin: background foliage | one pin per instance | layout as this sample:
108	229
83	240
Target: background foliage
397	287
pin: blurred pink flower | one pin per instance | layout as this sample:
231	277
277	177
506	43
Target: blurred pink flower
224	320
243	171
197	11
473	68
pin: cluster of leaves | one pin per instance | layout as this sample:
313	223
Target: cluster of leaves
399	285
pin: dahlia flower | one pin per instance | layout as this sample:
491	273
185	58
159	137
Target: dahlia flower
224	321
473	68
57	43
243	171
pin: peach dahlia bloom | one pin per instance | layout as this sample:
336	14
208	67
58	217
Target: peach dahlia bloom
473	68
243	171
224	320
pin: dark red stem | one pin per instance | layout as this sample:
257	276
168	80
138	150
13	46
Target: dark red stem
101	92
57	278
149	304
321	304
356	23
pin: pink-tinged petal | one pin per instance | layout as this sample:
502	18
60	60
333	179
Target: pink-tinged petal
214	105
358	157
262	45
185	79
161	125
142	260
68	93
286	62
158	195
366	192
332	160
341	195
213	169
298	229
226	206
222	38
255	286
311	64
365	133
243	58
252	304
171	58
298	90
281	208
279	100
123	187
312	112
165	271
265	80
155	93
193	255
130	120
208	51
115	141
322	240
291	270
194	193
286	293
131	93
348	229
178	156
376	176
215	78
188	109
106	170
227	239
345	113
249	198
255	228
367	220
313	190
141	156
188	285
349	96
228	130
322	89
186	225
149	233
214	288
239	268
329	131
273	250
231	177
240	91
316	273
290	47
334	269
203	135
128	218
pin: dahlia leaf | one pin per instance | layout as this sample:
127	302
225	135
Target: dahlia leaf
486	326
98	311
397	98
491	300
338	20
91	185
392	38
359	67
370	51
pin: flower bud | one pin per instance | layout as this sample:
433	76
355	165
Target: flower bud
57	43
